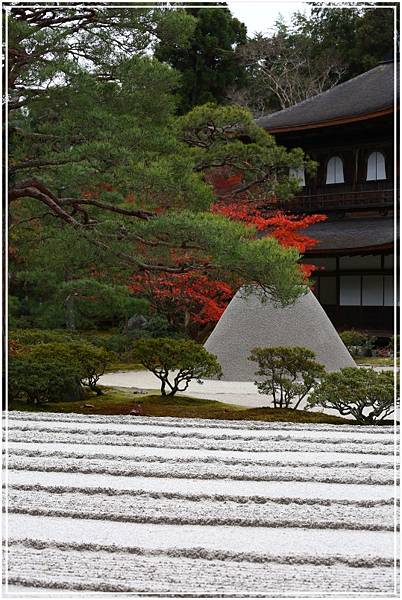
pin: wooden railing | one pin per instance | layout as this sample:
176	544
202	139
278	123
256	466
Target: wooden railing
350	199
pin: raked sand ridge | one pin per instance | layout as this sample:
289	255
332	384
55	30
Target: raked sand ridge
186	507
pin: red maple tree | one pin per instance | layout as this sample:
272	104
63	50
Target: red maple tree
193	298
285	227
184	298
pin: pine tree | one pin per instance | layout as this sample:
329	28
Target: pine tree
208	63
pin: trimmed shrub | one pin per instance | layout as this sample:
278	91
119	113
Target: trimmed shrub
288	374
14	310
93	362
358	343
155	326
176	362
118	343
363	393
32	337
35	381
86	360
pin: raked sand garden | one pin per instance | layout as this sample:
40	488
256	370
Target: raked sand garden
177	507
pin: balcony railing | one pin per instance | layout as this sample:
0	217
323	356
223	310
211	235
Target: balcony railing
346	199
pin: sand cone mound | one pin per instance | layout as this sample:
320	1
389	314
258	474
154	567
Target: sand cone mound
248	323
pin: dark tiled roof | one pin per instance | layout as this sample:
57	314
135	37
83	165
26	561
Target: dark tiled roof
368	93
352	233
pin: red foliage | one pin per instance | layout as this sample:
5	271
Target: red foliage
194	294
89	194
222	182
93	193
286	228
16	348
191	293
12	251
244	211
130	198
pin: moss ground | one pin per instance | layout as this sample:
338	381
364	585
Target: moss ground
375	361
121	401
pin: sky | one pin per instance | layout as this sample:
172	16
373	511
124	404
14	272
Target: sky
260	15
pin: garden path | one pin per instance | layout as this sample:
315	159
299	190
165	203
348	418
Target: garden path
243	393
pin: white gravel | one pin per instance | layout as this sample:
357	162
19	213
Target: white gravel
210	469
179	423
138	506
270	489
271	439
166	575
302	457
191	429
189	507
262	540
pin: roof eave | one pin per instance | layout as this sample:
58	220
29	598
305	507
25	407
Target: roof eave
357	250
331	122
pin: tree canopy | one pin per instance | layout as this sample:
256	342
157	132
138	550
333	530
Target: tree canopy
104	178
176	362
208	63
367	395
360	36
285	68
313	53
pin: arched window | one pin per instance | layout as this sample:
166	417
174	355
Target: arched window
376	167
335	170
298	174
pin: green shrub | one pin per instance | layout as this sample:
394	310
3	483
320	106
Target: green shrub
46	314
54	370
288	374
90	304
151	327
119	343
34	314
32	337
157	327
87	361
14	310
176	362
363	393
35	381
358	343
394	343
93	362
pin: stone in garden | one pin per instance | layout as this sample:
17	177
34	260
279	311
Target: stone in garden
249	323
136	322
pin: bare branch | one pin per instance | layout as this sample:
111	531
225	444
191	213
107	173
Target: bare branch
285	64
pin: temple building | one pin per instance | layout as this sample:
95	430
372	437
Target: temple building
350	132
